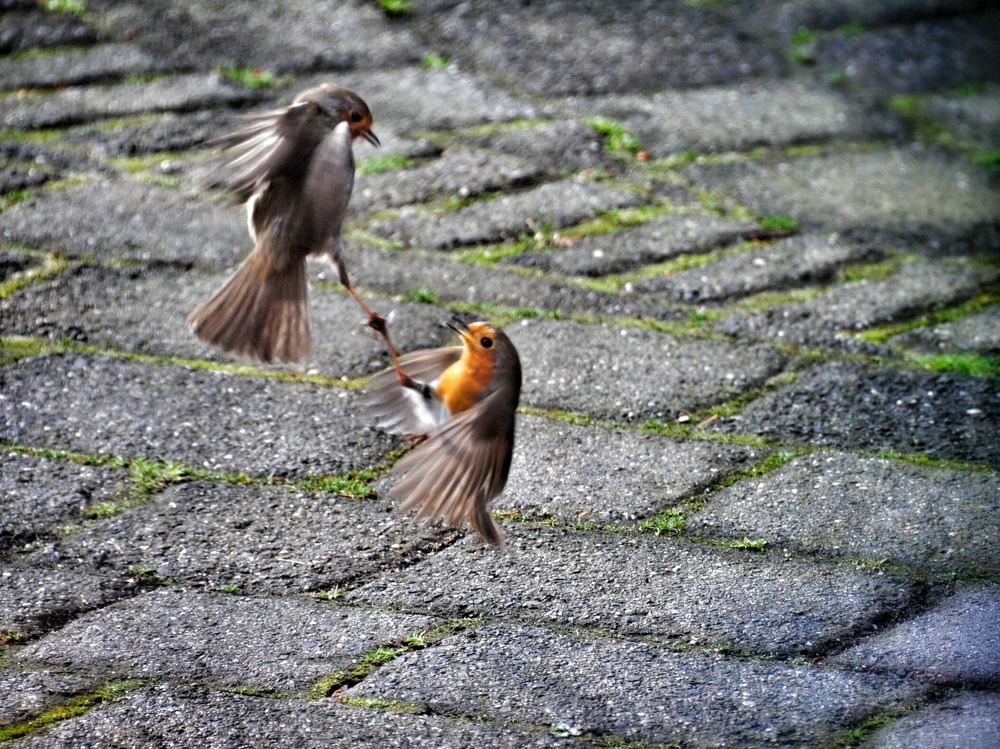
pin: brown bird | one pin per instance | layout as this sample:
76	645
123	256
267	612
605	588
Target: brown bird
296	167
463	401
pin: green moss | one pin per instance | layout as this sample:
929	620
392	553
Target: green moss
802	46
746	544
395	7
423	295
384	163
851	29
383	704
966	363
433	60
77	705
329	595
617	139
491	254
926	460
73	7
876	271
13	197
611	220
778	224
53	265
670	520
371	660
882	333
989	159
859	735
251	77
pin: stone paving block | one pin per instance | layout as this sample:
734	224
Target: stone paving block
786	17
76	66
40	493
191	718
253	538
977	332
736	118
659	239
558	146
394	272
896	192
130	220
849	505
557	204
609	475
208	419
70	106
787	262
35	600
15	175
417	98
39	28
25	694
591	47
935	54
617	372
955	642
843	404
459	174
273	644
970	720
144	310
968	118
633	689
292	36
647	586
827	318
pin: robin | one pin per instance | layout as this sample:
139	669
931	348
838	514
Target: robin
461	402
295	168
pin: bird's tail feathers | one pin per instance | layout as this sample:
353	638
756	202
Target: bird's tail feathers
261	311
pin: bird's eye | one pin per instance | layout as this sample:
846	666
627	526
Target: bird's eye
356	116
485	342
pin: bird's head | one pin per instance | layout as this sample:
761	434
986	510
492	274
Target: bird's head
343	105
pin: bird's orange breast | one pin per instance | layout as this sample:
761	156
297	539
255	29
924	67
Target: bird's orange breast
464	381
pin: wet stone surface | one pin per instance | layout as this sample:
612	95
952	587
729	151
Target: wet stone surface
558	146
609	475
895	192
603	685
73	105
78	66
735	118
130	309
577	367
252	539
192	718
40	493
434	276
647	586
659	239
207	419
969	719
825	318
587	47
807	259
25	694
839	504
459	174
272	644
956	642
939	415
129	220
35	600
557	204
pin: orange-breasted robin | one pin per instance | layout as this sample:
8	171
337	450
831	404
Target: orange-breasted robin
464	400
295	168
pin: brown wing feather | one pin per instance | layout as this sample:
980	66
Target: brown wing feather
395	409
462	467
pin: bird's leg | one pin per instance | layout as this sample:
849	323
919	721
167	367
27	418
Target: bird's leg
377	323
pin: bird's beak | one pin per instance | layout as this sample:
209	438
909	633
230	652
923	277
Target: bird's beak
369	136
458	325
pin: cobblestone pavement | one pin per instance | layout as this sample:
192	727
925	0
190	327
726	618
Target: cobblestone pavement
749	254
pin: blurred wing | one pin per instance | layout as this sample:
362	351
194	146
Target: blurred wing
400	410
328	183
261	151
462	467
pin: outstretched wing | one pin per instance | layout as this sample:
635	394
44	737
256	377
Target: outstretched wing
276	142
462	467
400	410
